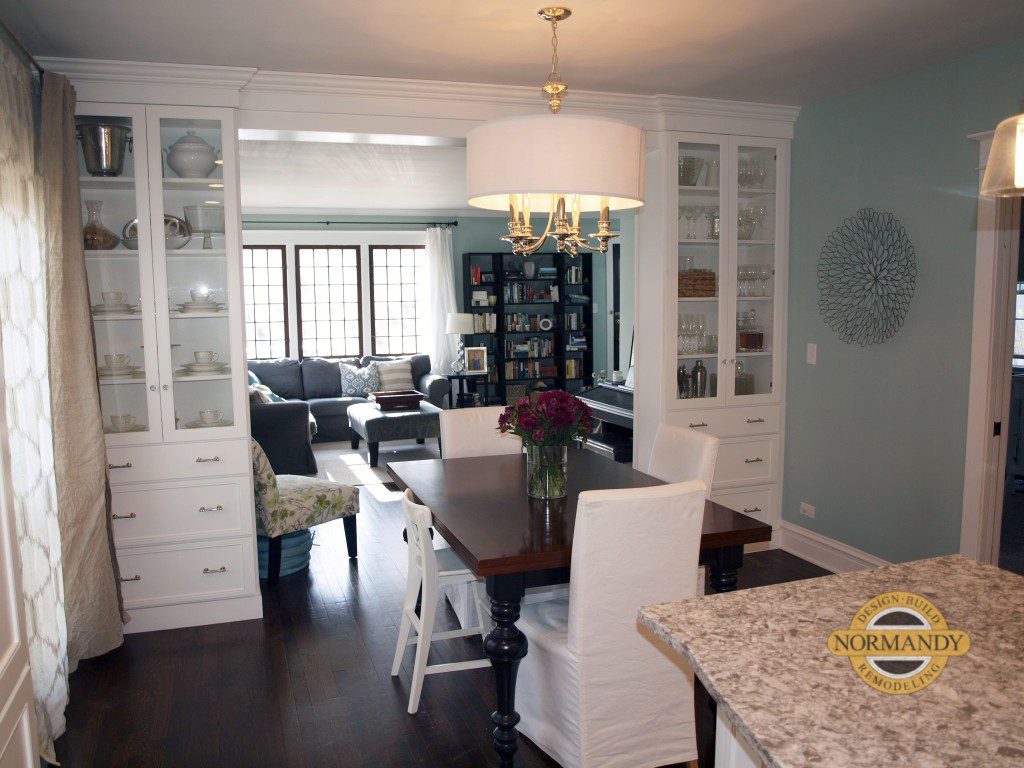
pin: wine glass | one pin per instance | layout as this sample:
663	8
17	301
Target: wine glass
743	171
760	214
758	173
764	273
700	327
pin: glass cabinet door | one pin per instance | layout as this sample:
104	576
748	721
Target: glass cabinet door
118	262
754	369
700	315
194	198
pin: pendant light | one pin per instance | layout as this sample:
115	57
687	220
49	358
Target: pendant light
561	166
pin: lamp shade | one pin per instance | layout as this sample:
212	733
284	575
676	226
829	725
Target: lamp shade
1004	171
546	155
459	322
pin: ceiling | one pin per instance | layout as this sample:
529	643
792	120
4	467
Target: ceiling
779	51
307	176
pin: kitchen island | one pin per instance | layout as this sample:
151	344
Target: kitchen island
785	701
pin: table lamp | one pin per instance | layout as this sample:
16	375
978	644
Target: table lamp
460	323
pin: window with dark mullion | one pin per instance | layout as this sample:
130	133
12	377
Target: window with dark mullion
329	311
265	278
396	317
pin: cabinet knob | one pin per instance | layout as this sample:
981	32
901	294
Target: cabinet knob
218	508
755	421
130	516
166	387
152	387
136	577
201	460
752	509
126	465
753	461
697	424
222	569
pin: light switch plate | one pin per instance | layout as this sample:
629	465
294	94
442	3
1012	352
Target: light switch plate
812	353
807	509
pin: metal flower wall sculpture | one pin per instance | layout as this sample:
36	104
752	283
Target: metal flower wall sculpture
866	277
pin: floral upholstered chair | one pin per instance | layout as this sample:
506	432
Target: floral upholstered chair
289	505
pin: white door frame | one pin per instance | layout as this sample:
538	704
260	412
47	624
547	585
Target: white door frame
991	365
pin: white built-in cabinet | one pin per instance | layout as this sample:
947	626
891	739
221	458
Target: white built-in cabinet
182	487
727	308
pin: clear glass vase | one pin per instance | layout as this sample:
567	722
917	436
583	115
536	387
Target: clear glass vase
546	471
97	237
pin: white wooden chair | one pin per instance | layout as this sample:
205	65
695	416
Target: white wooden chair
474	432
681	454
431	569
596	690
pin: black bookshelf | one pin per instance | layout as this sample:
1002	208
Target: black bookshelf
562	357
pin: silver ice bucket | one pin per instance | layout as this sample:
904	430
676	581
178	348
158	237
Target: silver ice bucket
103	146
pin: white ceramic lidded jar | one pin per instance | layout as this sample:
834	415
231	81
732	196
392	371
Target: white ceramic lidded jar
191	157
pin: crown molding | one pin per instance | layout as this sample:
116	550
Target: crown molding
298	92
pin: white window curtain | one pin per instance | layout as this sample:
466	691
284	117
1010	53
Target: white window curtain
439	299
23	331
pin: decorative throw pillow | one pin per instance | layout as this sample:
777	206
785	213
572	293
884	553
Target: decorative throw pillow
267	392
359	382
254	379
395	375
257	395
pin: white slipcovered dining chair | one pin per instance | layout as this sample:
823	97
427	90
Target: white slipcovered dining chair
431	570
474	432
595	690
681	454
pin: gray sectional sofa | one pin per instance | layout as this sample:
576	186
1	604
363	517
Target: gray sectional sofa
318	382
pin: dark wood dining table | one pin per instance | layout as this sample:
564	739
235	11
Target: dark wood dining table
480	507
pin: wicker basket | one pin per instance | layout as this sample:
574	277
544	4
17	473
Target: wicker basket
697	283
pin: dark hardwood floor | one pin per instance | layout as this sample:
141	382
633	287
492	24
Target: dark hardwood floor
310	684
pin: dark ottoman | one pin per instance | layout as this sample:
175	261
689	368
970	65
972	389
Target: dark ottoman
375	426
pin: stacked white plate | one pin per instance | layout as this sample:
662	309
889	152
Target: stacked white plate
112	430
120	372
201	307
101	309
203	369
208	424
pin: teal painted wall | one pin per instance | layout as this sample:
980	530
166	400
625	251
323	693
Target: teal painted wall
875	436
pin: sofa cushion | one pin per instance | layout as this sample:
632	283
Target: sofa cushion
359	382
332	406
395	375
420	364
320	378
284	377
253	379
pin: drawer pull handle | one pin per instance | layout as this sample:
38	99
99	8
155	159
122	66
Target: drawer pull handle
136	577
218	508
126	465
130	516
752	509
222	569
753	461
696	424
755	421
201	460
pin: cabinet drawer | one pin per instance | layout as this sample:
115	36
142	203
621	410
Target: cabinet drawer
758	503
745	461
735	422
186	573
149	463
162	513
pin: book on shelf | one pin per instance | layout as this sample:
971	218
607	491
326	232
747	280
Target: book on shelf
547	273
533	348
574	275
529	369
574	321
475	274
479	299
573	368
523	322
485	322
524	293
576	343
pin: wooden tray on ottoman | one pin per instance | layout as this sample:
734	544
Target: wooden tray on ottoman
396	401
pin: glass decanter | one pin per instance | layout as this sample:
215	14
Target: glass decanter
96	236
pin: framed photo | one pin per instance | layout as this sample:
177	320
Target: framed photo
476	360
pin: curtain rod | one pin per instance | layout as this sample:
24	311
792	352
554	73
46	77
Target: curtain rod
22	48
328	222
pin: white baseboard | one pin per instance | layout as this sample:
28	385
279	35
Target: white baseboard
825	552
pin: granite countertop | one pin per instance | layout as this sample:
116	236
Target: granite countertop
762	654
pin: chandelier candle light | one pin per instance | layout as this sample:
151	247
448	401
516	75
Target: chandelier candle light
560	165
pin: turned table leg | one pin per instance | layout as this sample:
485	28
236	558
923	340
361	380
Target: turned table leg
724	565
505	646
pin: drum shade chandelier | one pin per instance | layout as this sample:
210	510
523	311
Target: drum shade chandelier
564	165
1004	171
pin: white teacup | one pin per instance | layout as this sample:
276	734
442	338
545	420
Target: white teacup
205	357
209	416
199	295
122	420
117	360
113	298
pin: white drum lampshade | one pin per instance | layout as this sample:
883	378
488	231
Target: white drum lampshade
549	155
459	322
1004	171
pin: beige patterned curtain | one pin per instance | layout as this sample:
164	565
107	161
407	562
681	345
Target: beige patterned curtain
91	599
23	319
